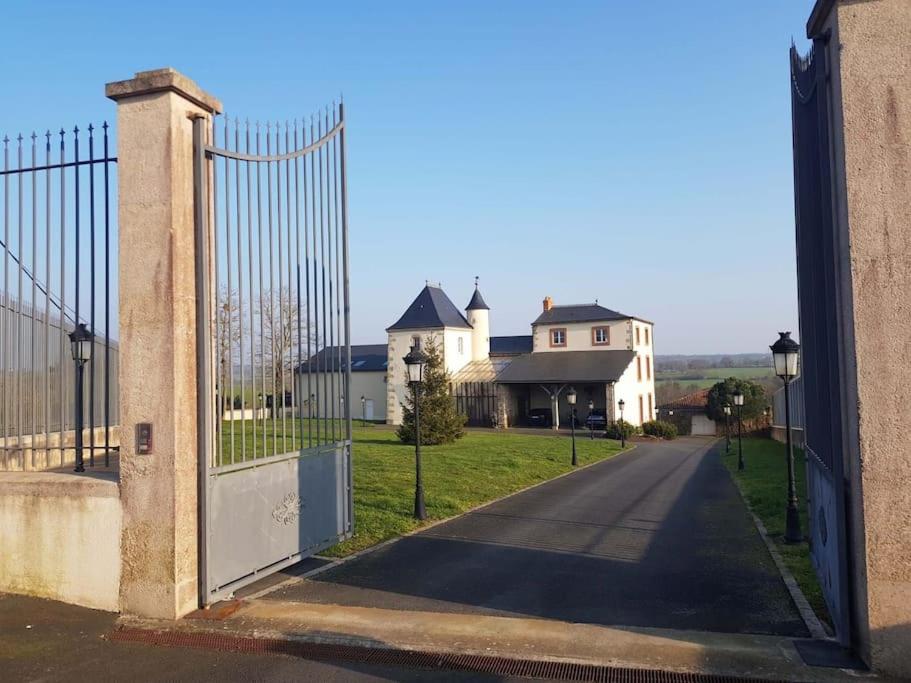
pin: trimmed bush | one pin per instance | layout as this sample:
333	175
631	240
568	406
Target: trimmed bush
614	430
660	429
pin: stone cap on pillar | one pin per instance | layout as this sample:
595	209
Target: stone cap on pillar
162	80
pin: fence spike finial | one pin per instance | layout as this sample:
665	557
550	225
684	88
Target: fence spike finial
76	130
105	126
91	128
34	137
5	139
20	139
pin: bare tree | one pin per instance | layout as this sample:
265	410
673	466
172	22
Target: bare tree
283	342
229	330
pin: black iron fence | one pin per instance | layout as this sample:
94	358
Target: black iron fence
57	269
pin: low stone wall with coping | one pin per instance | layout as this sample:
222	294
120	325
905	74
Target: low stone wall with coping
60	537
37	453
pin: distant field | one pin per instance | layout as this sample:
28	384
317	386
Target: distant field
709	376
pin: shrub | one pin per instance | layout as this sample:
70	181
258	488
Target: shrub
754	399
661	429
614	430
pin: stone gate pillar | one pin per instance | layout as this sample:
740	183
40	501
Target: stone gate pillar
868	46
155	115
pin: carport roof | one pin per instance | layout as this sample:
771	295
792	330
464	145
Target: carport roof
563	367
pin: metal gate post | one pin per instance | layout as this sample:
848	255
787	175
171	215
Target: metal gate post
205	400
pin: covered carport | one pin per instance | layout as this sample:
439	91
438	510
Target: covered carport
539	380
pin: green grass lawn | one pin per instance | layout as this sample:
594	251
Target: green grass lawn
764	484
457	477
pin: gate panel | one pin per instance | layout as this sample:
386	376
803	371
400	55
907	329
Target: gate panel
818	296
277	468
271	516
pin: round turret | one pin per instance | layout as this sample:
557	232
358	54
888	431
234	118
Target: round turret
478	314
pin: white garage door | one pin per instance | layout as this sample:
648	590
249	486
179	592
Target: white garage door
702	426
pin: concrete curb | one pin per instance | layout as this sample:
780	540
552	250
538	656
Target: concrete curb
735	656
294	580
810	620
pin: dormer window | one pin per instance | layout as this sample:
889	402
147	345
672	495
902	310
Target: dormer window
600	336
558	336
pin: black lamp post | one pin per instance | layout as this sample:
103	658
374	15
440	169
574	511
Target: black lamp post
81	347
571	400
620	405
414	362
363	411
786	357
738	401
591	421
727	427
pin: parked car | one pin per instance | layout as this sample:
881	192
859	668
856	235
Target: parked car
596	420
539	417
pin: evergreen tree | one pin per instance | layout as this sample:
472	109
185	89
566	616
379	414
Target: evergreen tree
440	423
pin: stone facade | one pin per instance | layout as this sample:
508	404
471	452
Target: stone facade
869	52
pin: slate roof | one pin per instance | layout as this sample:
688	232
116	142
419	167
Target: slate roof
477	302
559	367
432	309
364	358
511	346
578	313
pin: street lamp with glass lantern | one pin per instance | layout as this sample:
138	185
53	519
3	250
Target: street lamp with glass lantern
571	400
738	401
81	341
414	362
620	404
591	421
786	360
727	427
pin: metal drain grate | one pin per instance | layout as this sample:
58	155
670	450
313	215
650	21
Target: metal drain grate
498	666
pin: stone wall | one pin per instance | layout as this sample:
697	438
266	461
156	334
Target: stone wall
60	538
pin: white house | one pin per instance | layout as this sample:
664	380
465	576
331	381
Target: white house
368	381
604	355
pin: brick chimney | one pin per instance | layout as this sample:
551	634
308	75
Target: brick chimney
548	303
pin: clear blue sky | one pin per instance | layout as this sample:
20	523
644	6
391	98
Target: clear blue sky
634	152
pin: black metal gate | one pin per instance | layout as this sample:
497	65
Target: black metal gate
818	294
272	278
58	270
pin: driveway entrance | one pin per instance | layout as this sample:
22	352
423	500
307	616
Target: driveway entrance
654	537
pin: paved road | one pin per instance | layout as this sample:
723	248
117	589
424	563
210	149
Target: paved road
42	640
655	537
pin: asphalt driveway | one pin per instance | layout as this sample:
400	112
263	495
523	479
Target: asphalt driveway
655	537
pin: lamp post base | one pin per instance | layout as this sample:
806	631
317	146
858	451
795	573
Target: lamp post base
792	533
420	511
